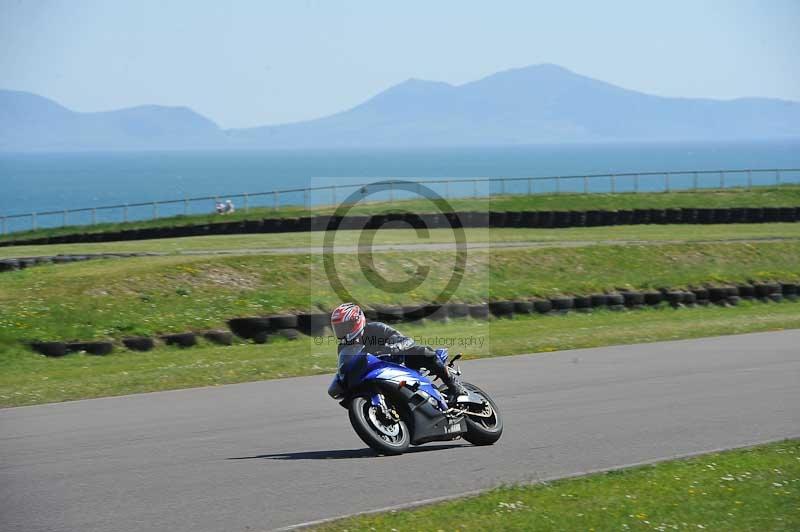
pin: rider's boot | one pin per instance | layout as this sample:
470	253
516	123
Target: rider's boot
455	390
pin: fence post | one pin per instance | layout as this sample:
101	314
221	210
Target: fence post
246	203
777	177
529	186
33	221
275	200
125	213
585	184
613	184
722	180
749	179
185	206
558	185
447	188
391	191
475	189
666	182
306	198
502	186
64	218
636	183
155	210
694	181
94	216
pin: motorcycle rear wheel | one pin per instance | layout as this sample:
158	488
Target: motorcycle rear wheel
377	435
481	430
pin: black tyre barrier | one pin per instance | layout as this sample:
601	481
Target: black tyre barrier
523	307
674	298
261	329
772	214
767	289
289	334
502	309
188	339
313	324
582	303
437	312
283	321
542	306
219	337
673	216
479	311
542	219
737	215
562	303
261	337
658	216
413	313
458	310
653	297
389	314
599	300
139	343
633	298
700	294
722	216
717	294
91	348
615	300
746	291
624	217
790	290
50	349
248	328
8	265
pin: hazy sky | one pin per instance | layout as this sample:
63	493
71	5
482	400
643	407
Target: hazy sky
252	63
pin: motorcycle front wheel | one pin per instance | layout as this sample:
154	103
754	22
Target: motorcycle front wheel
486	426
383	435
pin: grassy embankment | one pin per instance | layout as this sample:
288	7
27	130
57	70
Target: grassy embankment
780	196
27	378
150	295
743	489
313	240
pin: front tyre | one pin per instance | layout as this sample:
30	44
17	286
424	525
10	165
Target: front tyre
386	436
484	425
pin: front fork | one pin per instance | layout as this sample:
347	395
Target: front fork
379	401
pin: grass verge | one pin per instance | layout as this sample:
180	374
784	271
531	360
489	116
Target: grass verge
780	196
152	295
745	489
313	240
27	378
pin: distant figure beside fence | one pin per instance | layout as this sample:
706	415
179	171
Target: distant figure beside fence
224	208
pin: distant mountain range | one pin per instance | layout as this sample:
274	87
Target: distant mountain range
536	104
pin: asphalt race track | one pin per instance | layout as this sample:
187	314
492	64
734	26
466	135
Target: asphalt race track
271	454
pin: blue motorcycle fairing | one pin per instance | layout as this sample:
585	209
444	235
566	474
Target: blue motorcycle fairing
388	371
357	367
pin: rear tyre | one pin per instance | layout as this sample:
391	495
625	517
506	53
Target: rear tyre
483	430
383	436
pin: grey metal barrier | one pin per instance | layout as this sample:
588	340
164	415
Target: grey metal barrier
305	197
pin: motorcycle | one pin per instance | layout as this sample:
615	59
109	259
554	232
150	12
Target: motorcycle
391	406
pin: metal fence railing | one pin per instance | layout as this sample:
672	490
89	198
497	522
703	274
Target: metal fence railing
633	182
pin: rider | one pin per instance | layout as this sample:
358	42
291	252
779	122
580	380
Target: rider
350	327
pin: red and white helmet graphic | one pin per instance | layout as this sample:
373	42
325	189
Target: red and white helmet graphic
348	321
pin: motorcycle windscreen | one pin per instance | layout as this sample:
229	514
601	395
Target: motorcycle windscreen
352	363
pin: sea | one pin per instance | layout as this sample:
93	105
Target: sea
55	182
